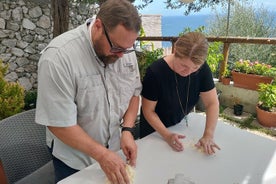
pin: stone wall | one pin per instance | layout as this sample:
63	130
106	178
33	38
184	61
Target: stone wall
25	30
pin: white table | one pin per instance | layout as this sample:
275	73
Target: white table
245	158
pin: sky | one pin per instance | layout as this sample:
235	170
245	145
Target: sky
158	7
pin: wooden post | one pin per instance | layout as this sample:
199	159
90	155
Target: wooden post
60	14
172	41
225	56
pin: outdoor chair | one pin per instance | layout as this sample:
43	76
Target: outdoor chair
23	150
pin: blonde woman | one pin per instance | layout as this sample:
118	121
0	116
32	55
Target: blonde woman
171	88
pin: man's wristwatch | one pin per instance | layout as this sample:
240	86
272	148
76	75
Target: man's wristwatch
130	129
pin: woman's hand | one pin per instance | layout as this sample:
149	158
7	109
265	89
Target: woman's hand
174	141
208	145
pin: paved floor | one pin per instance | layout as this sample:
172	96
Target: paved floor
233	119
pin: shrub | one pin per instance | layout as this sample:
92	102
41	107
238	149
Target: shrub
146	54
11	95
214	56
267	96
226	73
246	20
147	57
30	100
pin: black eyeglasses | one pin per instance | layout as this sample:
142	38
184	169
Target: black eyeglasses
114	49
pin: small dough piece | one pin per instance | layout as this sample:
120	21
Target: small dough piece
130	173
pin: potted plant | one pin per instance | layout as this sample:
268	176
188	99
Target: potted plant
248	75
266	107
237	107
226	77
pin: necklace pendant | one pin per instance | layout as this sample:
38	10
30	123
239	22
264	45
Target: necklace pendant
186	120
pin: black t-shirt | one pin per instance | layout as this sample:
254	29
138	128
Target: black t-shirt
159	84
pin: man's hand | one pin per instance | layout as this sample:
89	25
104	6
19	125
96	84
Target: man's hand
129	147
114	167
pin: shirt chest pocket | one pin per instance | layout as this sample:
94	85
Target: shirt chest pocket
126	90
91	95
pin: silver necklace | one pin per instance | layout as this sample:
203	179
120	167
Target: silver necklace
187	98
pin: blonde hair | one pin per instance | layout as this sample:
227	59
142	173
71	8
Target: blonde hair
192	45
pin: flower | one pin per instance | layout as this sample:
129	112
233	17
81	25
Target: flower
257	68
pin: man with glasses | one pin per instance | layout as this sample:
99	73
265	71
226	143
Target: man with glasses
88	93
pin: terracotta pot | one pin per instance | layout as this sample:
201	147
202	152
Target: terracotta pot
225	81
265	118
249	81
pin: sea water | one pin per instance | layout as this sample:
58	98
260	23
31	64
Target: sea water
173	25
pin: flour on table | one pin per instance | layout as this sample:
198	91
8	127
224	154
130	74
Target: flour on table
130	172
191	144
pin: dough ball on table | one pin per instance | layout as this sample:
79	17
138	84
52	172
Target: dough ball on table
130	172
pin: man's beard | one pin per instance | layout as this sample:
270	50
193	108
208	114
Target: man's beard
108	59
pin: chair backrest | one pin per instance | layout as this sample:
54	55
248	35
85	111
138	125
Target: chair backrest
23	146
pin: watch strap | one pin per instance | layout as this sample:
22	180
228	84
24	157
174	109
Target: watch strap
131	130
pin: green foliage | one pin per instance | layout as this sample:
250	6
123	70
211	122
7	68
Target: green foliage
147	57
246	21
226	73
257	68
11	95
267	96
145	44
195	6
188	29
214	56
30	99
